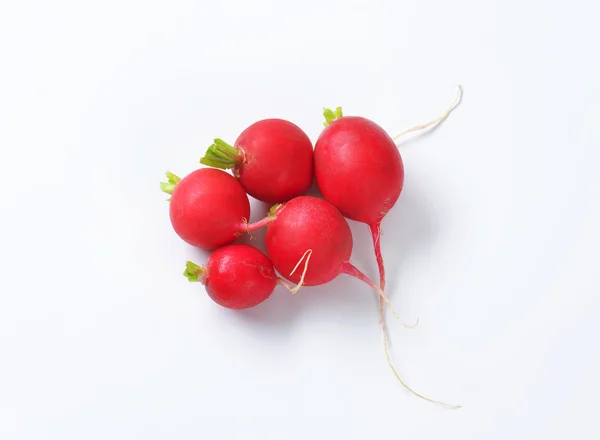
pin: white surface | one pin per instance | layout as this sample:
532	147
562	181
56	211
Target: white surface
493	243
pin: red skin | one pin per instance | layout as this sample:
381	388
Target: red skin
309	223
208	208
239	276
278	160
358	169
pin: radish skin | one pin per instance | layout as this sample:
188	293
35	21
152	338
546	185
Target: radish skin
311	230
272	158
236	276
208	208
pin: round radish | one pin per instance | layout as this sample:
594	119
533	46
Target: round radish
359	170
308	223
209	208
237	276
272	158
312	234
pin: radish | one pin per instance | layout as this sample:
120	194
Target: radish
237	276
272	158
359	170
311	231
209	208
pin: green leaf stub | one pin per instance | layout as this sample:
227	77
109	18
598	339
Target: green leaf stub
221	155
332	115
193	272
170	184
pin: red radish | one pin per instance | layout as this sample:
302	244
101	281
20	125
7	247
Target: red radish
237	276
312	230
272	158
209	208
359	170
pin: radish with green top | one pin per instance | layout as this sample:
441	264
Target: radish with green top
209	208
237	276
272	158
359	170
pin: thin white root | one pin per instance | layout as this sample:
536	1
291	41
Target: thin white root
436	120
284	283
387	301
410	326
306	255
387	355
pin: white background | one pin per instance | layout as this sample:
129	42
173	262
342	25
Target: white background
493	243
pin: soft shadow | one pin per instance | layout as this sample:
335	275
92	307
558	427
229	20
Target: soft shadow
363	255
344	299
410	227
348	299
314	190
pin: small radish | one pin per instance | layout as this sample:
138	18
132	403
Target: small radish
209	208
359	170
311	230
237	276
272	158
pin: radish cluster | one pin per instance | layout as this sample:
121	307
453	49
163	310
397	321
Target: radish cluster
359	171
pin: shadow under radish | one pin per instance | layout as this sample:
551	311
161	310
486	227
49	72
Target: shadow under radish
314	190
409	229
345	296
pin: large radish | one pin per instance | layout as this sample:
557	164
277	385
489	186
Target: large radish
359	170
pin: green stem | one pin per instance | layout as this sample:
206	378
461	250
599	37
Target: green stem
170	184
194	273
332	115
274	209
222	155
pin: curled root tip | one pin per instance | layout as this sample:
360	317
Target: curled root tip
404	323
410	326
390	363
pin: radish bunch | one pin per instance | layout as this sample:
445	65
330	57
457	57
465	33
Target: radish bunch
360	173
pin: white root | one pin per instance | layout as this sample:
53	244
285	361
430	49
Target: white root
436	120
284	283
383	298
306	255
387	355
